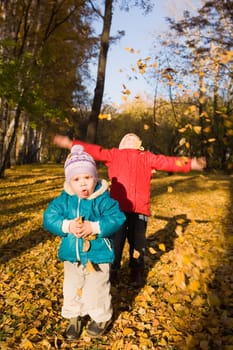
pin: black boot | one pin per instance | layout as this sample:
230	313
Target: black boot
73	331
136	277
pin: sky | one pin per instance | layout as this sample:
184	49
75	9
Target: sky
140	32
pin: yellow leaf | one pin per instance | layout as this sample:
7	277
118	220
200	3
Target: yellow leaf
179	279
152	250
207	129
186	259
194	286
204	114
80	292
126	92
198	301
202	100
169	189
128	331
149	289
90	267
197	129
162	247
86	245
182	141
136	254
130	49
180	221
212	140
145	343
179	230
118	344
163	342
193	108
32	331
26	344
182	130
229	132
228	123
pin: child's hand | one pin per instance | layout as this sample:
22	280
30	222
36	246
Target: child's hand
198	163
62	141
80	229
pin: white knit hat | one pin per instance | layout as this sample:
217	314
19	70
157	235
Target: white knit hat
79	162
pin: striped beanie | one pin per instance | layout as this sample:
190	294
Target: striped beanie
79	162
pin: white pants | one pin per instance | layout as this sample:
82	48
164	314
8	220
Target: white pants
87	293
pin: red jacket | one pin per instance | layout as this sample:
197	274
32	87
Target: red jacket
130	171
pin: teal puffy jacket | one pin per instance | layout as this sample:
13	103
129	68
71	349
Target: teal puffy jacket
98	207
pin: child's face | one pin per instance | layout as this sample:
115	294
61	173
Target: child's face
131	141
83	185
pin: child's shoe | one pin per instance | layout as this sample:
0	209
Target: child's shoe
73	331
98	328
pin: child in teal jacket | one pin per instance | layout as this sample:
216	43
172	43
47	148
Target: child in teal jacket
85	217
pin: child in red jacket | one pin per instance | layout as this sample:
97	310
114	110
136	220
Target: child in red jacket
130	170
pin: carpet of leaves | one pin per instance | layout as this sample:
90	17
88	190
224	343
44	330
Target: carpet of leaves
186	302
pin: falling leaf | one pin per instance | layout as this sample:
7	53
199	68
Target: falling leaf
197	129
162	247
90	267
152	250
182	141
130	49
211	140
202	100
169	189
182	130
86	245
136	254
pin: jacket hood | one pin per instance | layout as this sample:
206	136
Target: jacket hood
101	187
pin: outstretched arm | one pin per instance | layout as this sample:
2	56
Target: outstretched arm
63	141
198	163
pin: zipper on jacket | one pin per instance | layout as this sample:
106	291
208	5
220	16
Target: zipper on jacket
108	243
77	239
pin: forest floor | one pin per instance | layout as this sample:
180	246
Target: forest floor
187	300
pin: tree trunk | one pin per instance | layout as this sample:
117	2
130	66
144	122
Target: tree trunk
6	156
99	89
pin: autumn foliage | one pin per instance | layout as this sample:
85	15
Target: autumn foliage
187	300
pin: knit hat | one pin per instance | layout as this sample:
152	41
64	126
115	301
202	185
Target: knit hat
131	141
79	162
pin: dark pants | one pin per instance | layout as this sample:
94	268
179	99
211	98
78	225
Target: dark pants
134	229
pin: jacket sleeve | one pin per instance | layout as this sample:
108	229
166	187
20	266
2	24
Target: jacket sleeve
111	217
97	152
171	164
54	215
